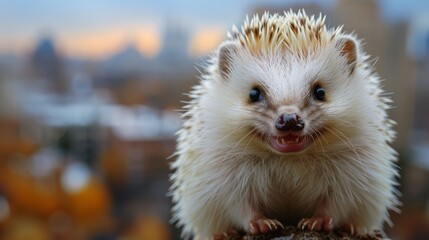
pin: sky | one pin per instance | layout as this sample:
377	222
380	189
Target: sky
97	28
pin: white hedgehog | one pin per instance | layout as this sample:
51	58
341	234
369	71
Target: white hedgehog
289	126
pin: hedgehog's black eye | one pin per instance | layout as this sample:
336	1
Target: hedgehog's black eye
319	93
255	94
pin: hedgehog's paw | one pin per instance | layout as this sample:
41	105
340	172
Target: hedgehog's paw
222	236
226	235
316	224
264	225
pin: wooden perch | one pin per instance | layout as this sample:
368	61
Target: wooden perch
293	233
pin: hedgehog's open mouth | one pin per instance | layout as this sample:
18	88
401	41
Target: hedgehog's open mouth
290	143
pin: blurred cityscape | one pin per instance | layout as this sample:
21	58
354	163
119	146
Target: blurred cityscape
85	140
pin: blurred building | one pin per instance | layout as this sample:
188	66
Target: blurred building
48	66
174	58
127	61
418	48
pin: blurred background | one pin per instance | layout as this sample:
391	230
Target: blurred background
89	92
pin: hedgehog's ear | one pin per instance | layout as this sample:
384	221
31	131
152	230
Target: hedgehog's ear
348	49
225	54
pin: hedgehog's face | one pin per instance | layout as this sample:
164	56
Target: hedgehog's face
293	104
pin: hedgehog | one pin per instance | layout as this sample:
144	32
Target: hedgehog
288	125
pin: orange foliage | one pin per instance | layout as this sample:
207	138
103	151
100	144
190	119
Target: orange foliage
90	203
27	194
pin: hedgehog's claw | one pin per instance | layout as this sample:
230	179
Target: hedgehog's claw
316	224
264	225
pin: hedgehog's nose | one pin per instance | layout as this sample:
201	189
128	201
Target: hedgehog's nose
289	122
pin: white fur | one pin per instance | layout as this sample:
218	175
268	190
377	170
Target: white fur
224	173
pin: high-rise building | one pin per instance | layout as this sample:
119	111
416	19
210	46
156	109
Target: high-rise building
47	65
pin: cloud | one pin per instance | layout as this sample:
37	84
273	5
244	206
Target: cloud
102	43
206	40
